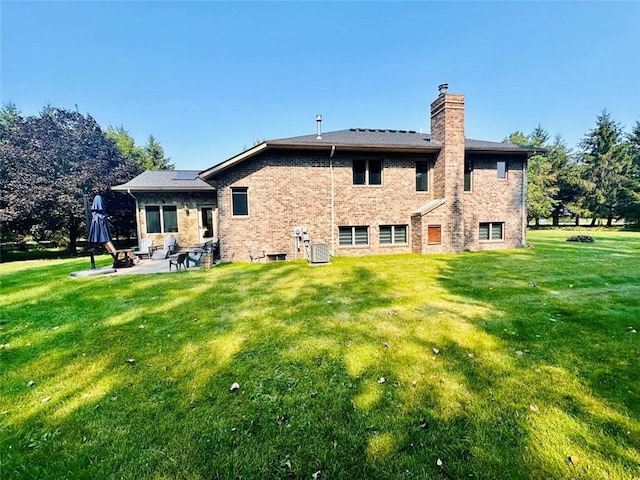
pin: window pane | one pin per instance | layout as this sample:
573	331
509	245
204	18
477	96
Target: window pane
375	172
484	231
400	234
385	234
422	177
153	219
239	199
344	235
359	172
361	235
468	168
170	218
502	169
207	222
496	231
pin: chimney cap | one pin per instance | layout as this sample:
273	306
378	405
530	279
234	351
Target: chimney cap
442	88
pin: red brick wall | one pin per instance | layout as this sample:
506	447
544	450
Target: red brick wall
294	188
290	188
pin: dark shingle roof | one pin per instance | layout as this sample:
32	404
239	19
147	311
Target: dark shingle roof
167	180
484	146
367	139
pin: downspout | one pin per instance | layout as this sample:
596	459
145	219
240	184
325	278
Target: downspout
138	231
524	202
333	203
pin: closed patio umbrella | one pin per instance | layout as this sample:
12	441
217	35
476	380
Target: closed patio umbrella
99	231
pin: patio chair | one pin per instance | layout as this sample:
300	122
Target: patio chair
178	262
144	247
170	243
168	248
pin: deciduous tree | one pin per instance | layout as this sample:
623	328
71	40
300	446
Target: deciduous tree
49	162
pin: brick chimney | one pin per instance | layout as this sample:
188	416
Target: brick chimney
447	127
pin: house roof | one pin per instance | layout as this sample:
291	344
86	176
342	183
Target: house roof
165	180
365	139
429	206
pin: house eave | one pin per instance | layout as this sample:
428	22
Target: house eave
121	188
329	147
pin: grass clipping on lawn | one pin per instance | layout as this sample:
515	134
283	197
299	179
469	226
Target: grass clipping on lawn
511	364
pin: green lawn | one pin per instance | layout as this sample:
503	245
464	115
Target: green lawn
512	364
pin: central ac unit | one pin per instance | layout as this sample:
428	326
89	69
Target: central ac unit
319	253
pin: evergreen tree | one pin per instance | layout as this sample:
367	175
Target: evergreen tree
607	167
154	156
541	179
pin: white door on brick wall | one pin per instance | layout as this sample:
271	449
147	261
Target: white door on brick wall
207	223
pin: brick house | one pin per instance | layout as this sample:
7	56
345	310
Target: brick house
173	202
365	191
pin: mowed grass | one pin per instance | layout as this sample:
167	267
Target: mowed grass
511	364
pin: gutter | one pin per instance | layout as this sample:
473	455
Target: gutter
333	203
138	227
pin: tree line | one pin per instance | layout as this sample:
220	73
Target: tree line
599	181
50	161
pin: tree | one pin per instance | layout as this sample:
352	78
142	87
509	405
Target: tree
49	162
541	179
607	168
570	186
126	144
149	157
632	202
154	156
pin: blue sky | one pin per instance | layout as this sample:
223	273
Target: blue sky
207	79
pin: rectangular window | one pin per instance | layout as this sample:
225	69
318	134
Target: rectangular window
367	172
468	169
169	218
240	201
422	176
434	234
502	169
393	234
161	219
491	231
153	219
348	236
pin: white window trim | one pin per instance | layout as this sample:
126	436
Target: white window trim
393	235
366	172
353	237
161	210
246	190
492	240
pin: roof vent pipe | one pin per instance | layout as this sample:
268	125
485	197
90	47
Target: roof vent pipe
319	124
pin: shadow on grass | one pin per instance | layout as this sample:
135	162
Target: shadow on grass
367	368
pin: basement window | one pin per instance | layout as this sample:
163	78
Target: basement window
491	231
393	234
350	236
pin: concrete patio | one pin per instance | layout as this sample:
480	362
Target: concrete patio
146	266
